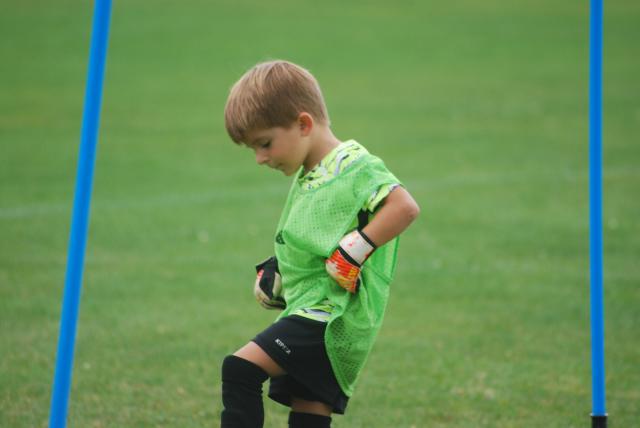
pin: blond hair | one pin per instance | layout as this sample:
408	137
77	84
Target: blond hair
272	94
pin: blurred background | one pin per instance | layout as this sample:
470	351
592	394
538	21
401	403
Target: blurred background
480	108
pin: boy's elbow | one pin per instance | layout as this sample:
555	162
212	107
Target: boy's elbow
412	210
407	207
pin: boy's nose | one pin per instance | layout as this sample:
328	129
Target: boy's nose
261	158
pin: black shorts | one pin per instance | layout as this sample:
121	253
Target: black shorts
296	344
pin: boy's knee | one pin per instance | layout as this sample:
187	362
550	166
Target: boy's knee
239	370
242	393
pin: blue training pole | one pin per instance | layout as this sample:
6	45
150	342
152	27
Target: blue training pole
80	217
599	414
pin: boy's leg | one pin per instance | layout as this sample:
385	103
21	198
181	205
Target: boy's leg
255	354
309	414
242	376
314	407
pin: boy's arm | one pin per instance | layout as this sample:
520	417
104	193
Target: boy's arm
397	213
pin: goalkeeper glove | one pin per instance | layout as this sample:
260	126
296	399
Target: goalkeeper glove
268	285
346	262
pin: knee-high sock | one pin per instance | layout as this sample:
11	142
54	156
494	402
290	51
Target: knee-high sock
242	393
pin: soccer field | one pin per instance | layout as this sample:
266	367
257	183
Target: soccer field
480	108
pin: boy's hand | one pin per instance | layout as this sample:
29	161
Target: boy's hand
345	263
268	285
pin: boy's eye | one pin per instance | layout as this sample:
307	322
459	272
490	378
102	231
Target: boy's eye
266	145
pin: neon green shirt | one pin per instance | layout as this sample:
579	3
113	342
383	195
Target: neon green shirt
331	166
313	221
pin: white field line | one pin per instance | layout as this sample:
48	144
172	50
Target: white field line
156	201
223	195
555	176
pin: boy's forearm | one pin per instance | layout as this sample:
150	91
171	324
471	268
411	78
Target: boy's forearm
397	213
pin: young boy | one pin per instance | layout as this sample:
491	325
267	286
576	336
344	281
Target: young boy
335	252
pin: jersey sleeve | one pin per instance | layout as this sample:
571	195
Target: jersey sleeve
378	196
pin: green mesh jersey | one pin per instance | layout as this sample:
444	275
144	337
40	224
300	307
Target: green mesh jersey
312	223
329	167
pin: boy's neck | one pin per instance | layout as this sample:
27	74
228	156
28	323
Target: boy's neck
322	143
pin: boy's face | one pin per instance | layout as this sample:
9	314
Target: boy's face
284	149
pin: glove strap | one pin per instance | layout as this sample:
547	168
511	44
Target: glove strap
358	246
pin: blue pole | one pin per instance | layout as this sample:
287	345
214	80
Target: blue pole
599	414
80	216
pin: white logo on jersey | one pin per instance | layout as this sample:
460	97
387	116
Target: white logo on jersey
284	347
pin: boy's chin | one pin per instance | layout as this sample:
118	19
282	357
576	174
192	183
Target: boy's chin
286	172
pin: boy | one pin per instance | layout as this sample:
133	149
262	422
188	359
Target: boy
344	209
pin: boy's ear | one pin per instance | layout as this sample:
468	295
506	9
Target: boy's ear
305	121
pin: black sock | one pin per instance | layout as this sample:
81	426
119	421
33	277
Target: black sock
308	420
242	393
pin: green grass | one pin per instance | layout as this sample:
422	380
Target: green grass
481	108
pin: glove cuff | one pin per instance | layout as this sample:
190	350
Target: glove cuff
358	246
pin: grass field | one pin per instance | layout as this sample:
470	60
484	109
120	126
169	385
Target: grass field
481	108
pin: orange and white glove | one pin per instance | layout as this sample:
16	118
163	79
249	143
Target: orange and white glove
345	263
